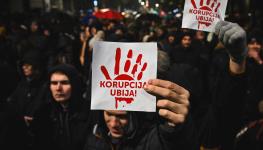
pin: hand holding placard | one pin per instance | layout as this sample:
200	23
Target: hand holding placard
175	102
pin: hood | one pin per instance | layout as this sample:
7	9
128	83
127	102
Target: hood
71	72
131	132
34	58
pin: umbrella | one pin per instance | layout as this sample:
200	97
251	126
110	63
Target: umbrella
108	14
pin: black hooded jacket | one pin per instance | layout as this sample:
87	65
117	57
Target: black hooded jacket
30	90
141	134
24	101
59	128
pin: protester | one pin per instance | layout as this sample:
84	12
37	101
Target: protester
85	37
85	52
254	78
62	124
36	37
25	100
30	88
169	43
9	76
255	48
185	52
129	130
223	119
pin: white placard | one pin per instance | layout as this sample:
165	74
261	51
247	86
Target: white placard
119	72
203	14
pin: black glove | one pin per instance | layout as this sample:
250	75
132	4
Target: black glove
234	39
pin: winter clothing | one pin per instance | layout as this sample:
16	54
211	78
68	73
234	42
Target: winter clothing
223	118
24	101
31	89
141	135
233	38
64	128
184	55
254	91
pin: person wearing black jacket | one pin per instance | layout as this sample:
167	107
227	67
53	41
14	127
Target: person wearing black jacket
185	52
254	78
63	123
227	90
22	103
171	129
31	87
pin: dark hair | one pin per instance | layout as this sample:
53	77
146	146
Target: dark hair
255	35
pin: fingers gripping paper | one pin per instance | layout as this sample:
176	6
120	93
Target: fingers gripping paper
203	14
119	72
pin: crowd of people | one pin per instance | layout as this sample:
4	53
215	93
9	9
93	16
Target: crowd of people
208	85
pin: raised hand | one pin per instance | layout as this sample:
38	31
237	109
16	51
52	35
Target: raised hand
175	102
234	39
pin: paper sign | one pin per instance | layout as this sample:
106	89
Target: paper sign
203	14
119	73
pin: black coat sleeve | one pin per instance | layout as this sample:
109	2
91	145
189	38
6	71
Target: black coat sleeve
165	137
223	118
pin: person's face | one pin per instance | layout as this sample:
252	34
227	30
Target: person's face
186	41
200	35
119	32
254	45
159	32
171	39
46	32
111	26
60	87
116	121
93	31
87	32
254	49
27	70
34	26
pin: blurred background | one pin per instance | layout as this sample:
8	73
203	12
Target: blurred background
248	7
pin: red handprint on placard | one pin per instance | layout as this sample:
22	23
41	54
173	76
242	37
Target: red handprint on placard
211	6
130	72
